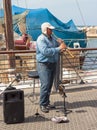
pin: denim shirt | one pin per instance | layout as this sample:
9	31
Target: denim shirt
47	49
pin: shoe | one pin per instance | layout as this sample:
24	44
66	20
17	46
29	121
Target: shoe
50	106
44	109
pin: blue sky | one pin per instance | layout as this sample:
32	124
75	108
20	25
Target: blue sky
82	12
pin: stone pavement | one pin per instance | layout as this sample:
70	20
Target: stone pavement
82	100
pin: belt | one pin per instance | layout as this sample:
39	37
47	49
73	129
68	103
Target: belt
48	63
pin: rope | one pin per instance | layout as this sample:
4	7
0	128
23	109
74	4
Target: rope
70	39
22	26
27	28
80	12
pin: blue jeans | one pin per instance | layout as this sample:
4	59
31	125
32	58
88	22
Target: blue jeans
46	73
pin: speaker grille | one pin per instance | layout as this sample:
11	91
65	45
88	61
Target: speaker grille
13	106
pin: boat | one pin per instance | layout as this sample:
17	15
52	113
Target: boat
73	37
67	31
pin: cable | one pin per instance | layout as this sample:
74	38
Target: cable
82	82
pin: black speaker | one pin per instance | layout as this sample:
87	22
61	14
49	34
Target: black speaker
13	106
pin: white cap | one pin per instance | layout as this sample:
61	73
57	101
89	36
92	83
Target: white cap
44	27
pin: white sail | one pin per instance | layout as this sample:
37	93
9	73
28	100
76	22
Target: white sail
16	18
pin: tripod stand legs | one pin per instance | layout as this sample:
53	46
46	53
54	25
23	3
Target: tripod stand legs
66	111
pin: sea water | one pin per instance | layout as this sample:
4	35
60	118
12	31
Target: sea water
92	43
91	55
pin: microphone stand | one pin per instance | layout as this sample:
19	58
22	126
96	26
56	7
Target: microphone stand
9	87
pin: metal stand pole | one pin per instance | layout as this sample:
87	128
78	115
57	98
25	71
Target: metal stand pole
66	111
10	87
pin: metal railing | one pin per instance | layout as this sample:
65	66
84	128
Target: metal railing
24	61
82	68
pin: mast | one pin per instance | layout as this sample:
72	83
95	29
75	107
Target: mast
8	24
9	30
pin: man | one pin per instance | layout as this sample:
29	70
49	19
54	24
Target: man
47	51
